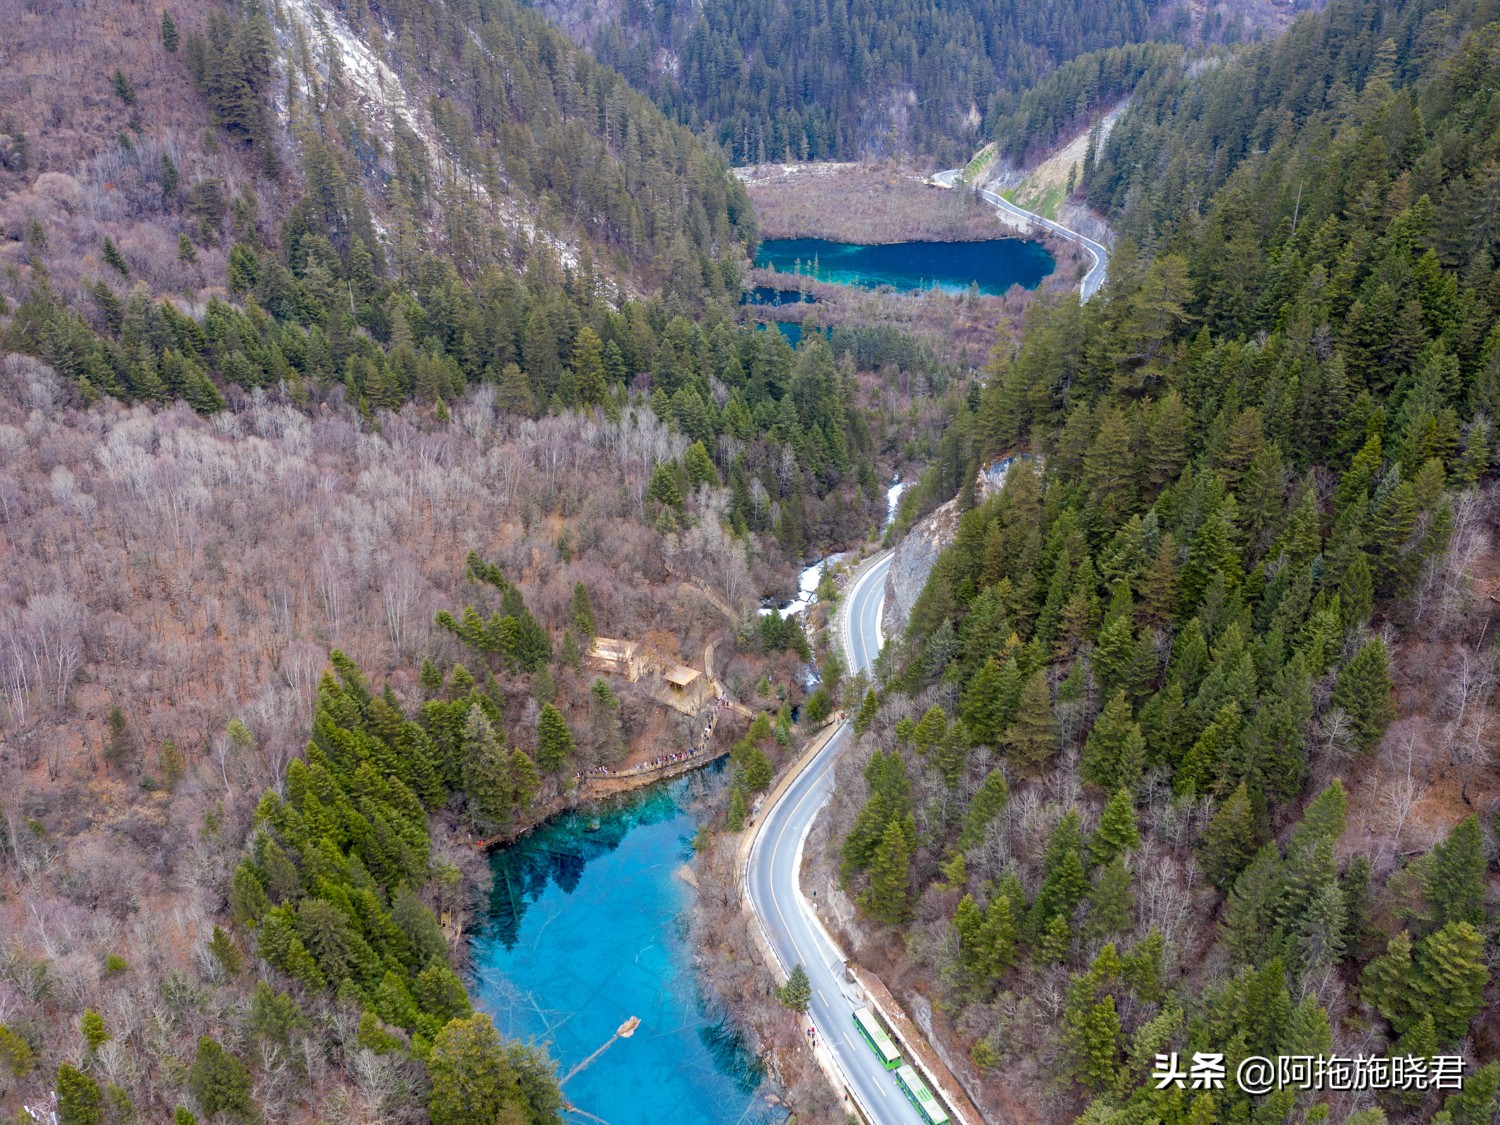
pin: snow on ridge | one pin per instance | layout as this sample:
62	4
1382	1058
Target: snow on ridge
380	91
380	88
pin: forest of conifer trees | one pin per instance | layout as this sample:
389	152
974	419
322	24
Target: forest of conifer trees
361	362
1148	693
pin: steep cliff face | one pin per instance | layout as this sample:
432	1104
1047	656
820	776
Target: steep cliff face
920	548
912	563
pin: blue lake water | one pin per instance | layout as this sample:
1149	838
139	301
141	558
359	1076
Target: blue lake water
791	329
588	927
770	295
993	264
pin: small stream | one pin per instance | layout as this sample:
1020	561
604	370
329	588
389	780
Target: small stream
812	574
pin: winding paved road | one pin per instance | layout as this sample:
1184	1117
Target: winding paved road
790	924
1097	273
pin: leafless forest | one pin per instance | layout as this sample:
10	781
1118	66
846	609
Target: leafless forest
190	572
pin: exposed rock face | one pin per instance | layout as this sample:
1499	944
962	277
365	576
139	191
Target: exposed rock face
919	550
912	563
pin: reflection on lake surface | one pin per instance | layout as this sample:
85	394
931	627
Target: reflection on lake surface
994	265
791	329
588	925
768	295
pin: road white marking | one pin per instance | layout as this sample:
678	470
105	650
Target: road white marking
814	781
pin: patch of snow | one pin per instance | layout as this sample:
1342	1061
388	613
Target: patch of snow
383	96
379	87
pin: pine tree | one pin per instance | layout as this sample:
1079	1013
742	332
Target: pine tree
1114	756
983	809
663	488
248	900
79	1099
168	32
220	1083
1117	832
758	771
513	395
1387	983
1158	586
1091	1037
931	730
1231	838
700	466
1450	978
120	747
1111	901
1421	1042
1055	941
225	952
283	882
999	935
989	702
968	927
170	181
1207	760
1031	742
866	713
1455	876
122	87
486	774
554	741
736	817
1063	882
91	1026
1475	1103
581	611
473	1078
1356	592
200	393
588	367
431	679
16	1053
1117	663
796	993
1324	929
1363	691
114	259
888	899
523	779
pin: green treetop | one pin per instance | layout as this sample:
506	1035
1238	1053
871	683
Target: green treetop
1363	690
796	993
554	741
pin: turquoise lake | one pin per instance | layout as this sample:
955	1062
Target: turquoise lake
588	926
993	264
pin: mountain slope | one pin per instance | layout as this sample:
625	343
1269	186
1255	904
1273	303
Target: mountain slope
1189	745
776	80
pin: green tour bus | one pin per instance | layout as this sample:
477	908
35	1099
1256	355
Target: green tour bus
920	1096
873	1034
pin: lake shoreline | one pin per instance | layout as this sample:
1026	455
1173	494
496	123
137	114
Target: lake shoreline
988	267
587	922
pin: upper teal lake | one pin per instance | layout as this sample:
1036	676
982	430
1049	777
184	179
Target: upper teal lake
993	264
588	926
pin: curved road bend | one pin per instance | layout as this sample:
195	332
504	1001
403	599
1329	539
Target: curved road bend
1097	273
772	878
